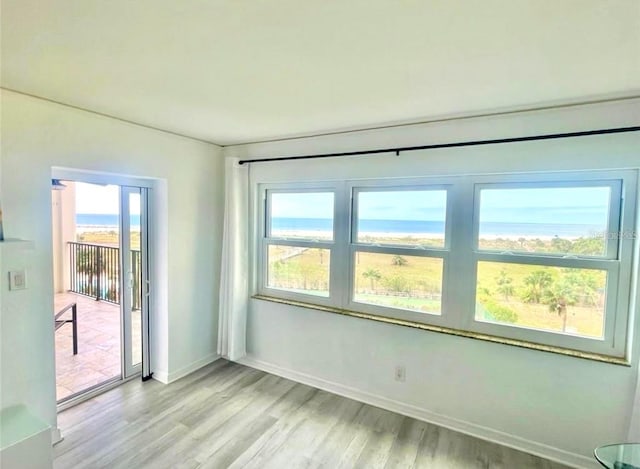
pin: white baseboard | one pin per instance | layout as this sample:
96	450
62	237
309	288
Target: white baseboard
468	428
170	377
161	375
56	436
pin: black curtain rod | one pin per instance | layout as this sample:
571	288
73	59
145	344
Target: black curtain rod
397	150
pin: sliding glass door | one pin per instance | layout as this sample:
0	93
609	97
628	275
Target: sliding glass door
135	282
101	286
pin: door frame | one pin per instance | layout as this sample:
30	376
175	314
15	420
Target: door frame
147	193
130	369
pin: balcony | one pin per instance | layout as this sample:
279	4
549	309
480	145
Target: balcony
94	285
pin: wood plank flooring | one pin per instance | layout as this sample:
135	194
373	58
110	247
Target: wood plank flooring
229	415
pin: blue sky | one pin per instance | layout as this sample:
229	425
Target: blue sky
583	205
302	205
405	205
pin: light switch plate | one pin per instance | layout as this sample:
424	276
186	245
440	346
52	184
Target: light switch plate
17	280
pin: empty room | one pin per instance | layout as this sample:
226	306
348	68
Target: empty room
337	234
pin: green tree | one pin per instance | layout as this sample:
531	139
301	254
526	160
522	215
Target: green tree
536	284
93	265
373	275
583	284
278	273
591	246
575	286
505	284
561	245
397	283
399	260
499	313
558	297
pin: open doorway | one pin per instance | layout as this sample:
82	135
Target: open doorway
100	285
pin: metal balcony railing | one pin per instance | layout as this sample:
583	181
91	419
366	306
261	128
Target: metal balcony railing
95	272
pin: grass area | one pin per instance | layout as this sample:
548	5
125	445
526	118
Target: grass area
299	269
414	283
583	319
422	274
107	238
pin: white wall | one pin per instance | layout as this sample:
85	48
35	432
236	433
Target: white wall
63	214
551	404
188	203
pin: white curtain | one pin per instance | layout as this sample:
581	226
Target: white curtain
634	427
234	285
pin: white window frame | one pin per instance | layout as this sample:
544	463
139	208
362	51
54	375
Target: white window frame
461	254
616	261
267	240
356	188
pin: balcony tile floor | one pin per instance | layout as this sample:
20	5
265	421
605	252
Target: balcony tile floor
99	348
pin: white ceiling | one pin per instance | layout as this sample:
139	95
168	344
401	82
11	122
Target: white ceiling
231	71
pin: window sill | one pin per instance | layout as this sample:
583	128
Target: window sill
445	330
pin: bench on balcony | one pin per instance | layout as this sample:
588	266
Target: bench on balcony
74	322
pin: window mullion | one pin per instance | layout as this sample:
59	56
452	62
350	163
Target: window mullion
568	262
340	257
299	243
401	251
612	241
460	274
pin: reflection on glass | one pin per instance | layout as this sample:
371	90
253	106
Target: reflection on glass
559	220
564	300
299	269
403	282
302	215
409	217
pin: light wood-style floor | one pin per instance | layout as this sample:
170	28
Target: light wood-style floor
228	415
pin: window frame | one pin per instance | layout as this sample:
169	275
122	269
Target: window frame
266	240
354	188
461	254
618	295
615	186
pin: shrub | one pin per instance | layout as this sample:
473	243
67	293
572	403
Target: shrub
500	313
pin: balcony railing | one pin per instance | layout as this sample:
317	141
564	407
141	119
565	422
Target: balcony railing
95	272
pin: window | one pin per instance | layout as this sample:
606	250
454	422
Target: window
545	253
539	258
299	235
398	247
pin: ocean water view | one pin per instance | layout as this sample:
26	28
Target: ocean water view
435	228
408	227
108	221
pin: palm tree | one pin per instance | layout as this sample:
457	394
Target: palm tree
399	260
373	275
537	283
89	261
558	298
505	284
568	291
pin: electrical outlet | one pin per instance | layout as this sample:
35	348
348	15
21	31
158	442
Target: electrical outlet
401	374
17	280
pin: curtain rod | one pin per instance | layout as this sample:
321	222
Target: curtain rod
398	150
